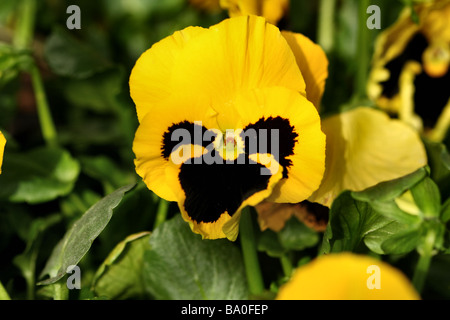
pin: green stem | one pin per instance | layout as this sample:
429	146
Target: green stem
23	38
325	37
60	291
425	255
286	264
250	254
161	214
45	117
24	29
363	50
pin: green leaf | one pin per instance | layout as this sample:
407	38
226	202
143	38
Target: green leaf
439	162
391	210
3	293
27	260
354	223
180	265
12	61
106	171
69	57
375	239
296	236
427	197
97	92
389	190
402	242
269	243
78	239
120	275
37	176
445	211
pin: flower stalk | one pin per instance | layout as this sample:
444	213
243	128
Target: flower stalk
326	26
22	40
425	255
250	254
363	50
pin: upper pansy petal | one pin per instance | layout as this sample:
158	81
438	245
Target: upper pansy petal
150	79
236	55
365	147
313	64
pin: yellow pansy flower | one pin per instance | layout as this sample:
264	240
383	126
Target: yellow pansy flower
410	76
347	276
272	10
205	100
2	148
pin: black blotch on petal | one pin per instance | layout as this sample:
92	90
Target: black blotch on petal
431	94
192	130
412	52
287	137
212	189
430	97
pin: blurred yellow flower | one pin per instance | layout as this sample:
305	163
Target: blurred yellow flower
366	147
216	85
410	74
347	276
272	10
2	147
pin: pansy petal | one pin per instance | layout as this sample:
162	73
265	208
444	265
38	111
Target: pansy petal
313	63
161	133
236	55
2	148
365	147
272	10
150	79
214	195
347	276
301	141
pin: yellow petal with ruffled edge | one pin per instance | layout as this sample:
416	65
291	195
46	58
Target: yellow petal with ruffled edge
2	148
347	276
313	63
215	64
365	147
236	55
272	10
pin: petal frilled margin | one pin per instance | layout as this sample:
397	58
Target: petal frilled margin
276	144
313	63
2	148
365	147
215	64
